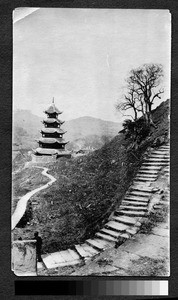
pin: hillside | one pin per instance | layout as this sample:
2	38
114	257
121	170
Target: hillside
88	188
81	132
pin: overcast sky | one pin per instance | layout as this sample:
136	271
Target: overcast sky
81	57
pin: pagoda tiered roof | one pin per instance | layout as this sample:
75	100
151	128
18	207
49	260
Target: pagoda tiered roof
52	140
44	151
52	120
53	109
52	130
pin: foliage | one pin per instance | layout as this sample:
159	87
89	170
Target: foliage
136	131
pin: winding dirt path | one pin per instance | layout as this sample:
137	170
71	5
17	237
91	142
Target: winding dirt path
22	203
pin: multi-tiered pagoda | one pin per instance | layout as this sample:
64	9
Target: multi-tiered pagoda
52	142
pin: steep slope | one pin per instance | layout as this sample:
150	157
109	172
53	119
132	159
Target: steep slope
88	188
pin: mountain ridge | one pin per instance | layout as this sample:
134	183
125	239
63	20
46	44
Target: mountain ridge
87	129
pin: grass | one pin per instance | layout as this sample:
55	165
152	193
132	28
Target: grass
160	215
87	190
154	218
85	193
25	181
146	266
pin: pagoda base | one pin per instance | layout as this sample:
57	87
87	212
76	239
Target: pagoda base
54	153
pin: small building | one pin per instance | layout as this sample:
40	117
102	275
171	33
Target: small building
52	141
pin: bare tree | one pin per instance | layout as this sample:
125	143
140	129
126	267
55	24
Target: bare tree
146	80
142	90
130	102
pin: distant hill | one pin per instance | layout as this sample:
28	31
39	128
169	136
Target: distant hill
90	132
84	126
81	132
26	128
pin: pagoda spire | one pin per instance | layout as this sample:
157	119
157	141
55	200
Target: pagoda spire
53	100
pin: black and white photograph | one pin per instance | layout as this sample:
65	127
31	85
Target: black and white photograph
91	142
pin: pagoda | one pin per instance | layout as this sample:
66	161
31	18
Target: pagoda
52	141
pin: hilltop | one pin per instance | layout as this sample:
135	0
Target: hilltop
88	188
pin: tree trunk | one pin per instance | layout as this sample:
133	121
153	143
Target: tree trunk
135	111
150	115
147	117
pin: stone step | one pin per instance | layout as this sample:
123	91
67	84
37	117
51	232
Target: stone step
162	152
154	164
145	182
156	160
160	156
113	233
147	176
74	254
135	208
144	179
167	150
131	213
151	172
51	259
83	253
106	237
137	199
161	165
126	220
69	255
139	193
125	235
117	226
55	260
69	263
132	231
134	203
153	167
90	249
143	173
99	244
142	188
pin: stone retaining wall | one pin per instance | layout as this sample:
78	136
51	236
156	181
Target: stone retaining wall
24	261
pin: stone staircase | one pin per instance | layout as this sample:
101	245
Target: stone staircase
126	219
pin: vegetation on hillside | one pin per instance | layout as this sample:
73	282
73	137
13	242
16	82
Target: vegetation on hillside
25	181
88	188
